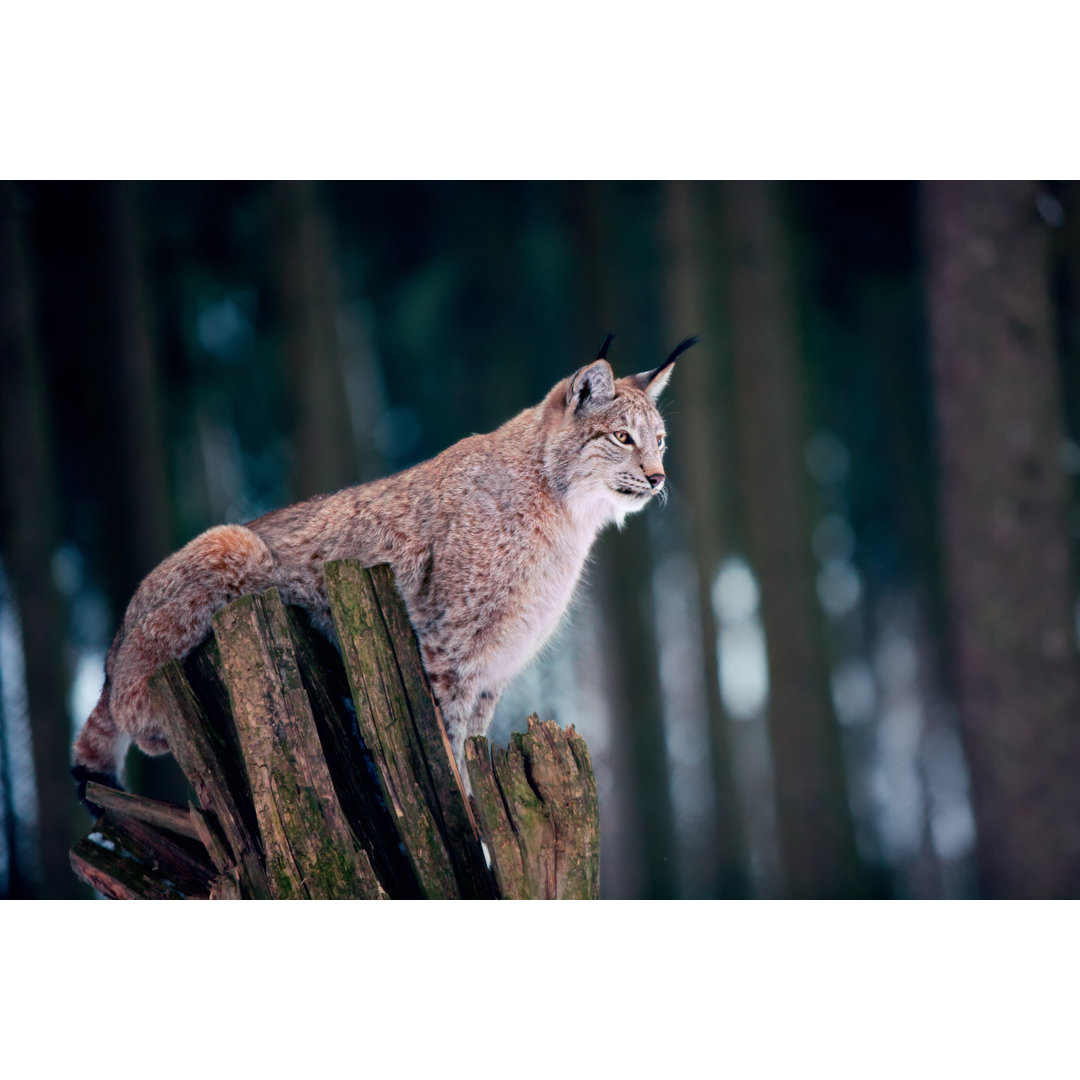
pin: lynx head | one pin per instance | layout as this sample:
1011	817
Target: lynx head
606	448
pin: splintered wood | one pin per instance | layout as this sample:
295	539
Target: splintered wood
316	775
538	809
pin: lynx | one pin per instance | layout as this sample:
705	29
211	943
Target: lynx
487	541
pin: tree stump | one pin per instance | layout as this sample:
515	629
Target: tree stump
319	774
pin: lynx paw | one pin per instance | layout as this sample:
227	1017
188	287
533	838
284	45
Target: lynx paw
82	776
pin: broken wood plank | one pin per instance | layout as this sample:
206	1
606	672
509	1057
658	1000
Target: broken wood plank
539	810
122	804
310	850
202	751
129	860
351	764
385	722
459	828
499	832
216	848
563	774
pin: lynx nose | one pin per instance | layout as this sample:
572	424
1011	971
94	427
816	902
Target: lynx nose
655	479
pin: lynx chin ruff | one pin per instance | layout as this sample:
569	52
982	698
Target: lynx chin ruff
487	541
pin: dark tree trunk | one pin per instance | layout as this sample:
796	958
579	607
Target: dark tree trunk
813	818
1006	556
309	291
706	475
1066	260
145	532
140	416
624	597
29	537
19	886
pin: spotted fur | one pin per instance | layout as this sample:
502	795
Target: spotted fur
487	541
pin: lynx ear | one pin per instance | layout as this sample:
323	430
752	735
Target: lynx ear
592	385
653	382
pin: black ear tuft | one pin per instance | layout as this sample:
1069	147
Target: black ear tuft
686	343
602	354
653	382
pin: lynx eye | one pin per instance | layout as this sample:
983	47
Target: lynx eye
661	441
623	437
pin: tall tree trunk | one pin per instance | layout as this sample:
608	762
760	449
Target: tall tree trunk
310	293
29	537
143	461
813	817
145	530
1006	555
624	596
706	474
890	321
18	886
1065	257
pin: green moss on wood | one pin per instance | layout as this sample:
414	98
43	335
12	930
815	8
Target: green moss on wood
310	850
385	720
288	802
537	804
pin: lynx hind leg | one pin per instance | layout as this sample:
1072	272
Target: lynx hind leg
171	612
152	743
99	750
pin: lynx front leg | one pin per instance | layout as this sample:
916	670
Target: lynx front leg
456	721
482	712
466	714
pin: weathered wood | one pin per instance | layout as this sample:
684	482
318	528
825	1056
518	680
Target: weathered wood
538	805
507	862
122	804
216	848
225	888
310	850
129	860
460	832
314	777
383	715
206	677
563	774
201	749
351	764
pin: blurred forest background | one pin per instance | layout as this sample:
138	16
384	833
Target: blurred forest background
840	662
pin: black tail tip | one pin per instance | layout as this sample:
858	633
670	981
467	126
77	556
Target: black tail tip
83	776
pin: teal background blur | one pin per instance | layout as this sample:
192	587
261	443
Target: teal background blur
771	671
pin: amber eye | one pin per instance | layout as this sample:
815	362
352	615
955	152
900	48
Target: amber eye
661	441
624	437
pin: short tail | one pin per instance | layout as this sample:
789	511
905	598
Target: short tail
97	751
